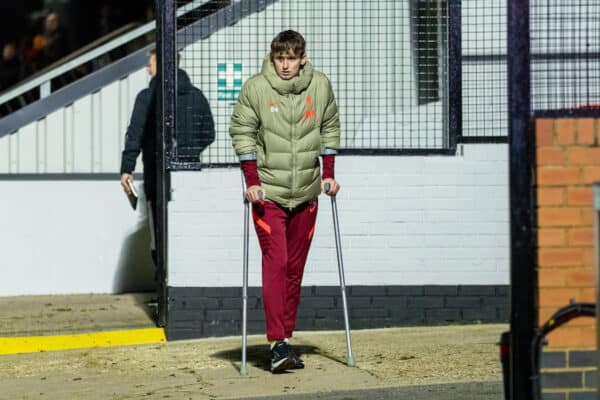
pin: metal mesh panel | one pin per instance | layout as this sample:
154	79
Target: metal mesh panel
485	101
195	118
386	60
565	47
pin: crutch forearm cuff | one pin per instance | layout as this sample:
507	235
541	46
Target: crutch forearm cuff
325	151
247	156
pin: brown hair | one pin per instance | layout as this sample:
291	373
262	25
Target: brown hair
288	40
152	52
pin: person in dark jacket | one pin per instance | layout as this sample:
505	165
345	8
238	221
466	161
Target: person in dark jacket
194	132
10	67
55	40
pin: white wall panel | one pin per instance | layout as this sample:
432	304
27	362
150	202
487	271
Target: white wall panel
404	221
65	237
86	136
5	154
26	148
13	145
82	135
124	107
109	134
96	131
54	135
68	121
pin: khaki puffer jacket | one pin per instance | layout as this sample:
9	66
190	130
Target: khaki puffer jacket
285	125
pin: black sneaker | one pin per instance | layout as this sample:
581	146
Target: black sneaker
281	358
298	363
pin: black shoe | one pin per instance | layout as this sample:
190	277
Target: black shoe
281	359
298	363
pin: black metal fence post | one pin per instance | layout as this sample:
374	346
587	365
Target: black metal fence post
454	73
166	29
523	261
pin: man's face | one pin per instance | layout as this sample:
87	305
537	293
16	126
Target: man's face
51	22
151	67
9	52
287	64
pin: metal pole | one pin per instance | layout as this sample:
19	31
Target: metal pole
523	235
453	91
166	26
338	247
243	369
596	199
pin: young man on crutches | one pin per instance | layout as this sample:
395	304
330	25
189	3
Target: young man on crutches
285	118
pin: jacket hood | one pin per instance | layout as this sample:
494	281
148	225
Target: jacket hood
184	84
295	85
183	81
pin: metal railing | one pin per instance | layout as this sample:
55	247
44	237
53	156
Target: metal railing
565	46
42	82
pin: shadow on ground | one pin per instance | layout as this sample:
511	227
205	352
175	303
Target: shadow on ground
147	302
135	271
258	355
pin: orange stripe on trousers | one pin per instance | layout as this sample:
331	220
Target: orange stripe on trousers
261	223
311	233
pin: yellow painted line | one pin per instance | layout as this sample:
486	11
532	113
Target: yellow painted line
34	344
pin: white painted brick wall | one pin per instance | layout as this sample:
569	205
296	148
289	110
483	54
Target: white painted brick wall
72	236
404	220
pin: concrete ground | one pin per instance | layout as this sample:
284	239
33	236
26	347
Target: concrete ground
451	362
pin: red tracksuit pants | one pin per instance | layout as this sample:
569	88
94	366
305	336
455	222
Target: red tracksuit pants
284	236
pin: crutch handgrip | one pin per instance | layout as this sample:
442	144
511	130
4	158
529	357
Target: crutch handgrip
327	187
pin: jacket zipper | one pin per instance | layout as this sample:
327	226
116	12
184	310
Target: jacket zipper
293	141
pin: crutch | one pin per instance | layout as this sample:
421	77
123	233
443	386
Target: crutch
338	247
243	369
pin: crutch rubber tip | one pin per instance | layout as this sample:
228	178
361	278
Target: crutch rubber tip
243	371
350	361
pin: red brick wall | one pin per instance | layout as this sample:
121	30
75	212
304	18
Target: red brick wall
568	161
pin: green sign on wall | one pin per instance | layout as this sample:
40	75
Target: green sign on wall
229	81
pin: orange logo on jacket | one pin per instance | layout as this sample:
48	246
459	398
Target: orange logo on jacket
310	111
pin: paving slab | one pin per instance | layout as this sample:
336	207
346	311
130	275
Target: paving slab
68	314
444	362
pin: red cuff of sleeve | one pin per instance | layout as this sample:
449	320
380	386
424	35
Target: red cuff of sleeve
328	166
250	171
